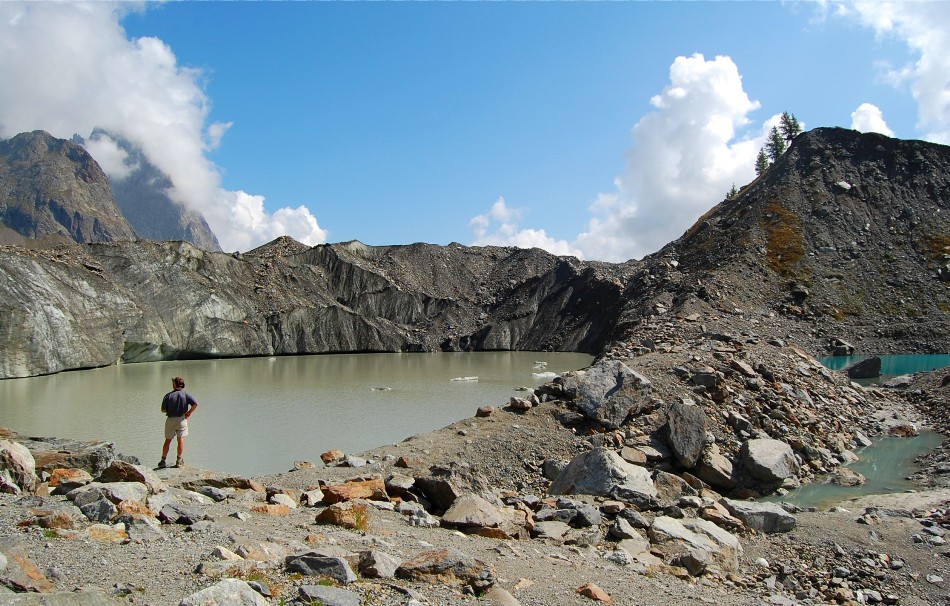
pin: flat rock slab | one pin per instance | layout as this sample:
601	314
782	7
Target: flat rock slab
448	566
227	592
768	460
764	517
328	596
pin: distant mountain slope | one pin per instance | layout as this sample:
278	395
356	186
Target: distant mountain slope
148	301
53	189
154	215
846	235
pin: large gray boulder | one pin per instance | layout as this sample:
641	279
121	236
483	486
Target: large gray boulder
768	460
869	368
685	432
328	596
608	392
602	472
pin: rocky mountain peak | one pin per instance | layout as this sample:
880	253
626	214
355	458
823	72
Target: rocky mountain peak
53	189
846	234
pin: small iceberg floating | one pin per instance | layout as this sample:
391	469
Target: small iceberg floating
540	365
381	388
544	376
465	379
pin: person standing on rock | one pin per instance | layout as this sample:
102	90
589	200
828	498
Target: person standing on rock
178	406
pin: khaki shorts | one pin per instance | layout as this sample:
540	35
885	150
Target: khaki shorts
176	426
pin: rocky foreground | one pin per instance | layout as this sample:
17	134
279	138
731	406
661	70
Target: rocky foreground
626	483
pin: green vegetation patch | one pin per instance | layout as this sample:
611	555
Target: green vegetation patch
786	242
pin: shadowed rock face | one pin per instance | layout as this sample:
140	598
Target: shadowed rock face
95	305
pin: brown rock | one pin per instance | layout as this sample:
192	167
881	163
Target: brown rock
72	477
372	490
271	509
133	507
332	456
592	591
448	566
633	455
405	462
348	514
485	411
56	520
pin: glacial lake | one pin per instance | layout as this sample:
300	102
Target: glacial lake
892	365
256	416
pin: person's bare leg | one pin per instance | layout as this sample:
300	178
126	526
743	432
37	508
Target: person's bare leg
165	447
181	450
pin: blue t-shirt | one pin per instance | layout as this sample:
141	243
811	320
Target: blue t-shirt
176	403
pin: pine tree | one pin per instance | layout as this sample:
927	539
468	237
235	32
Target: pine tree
761	162
775	146
732	192
789	126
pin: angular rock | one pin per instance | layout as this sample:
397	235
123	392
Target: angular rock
671	488
332	456
707	544
768	460
868	368
64	480
592	591
471	513
500	597
764	517
448	566
120	471
685	432
328	596
601	472
550	529
141	528
313	564
348	514
17	468
608	392
399	484
716	470
227	592
374	489
21	573
53	453
311	498
375	564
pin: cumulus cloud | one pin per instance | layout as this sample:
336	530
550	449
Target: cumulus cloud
69	68
500	227
925	29
686	154
113	159
868	118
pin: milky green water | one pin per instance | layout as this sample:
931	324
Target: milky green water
885	464
258	415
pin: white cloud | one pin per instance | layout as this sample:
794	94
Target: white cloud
243	216
868	118
684	158
69	68
500	227
925	28
111	158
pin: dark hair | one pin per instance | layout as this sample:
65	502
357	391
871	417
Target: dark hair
179	382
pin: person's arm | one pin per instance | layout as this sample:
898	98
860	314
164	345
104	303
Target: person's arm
192	408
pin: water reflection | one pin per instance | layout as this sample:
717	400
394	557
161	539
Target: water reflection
258	415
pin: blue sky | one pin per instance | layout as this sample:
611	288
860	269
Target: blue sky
597	129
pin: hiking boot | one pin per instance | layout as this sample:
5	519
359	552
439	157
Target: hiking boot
180	463
162	464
